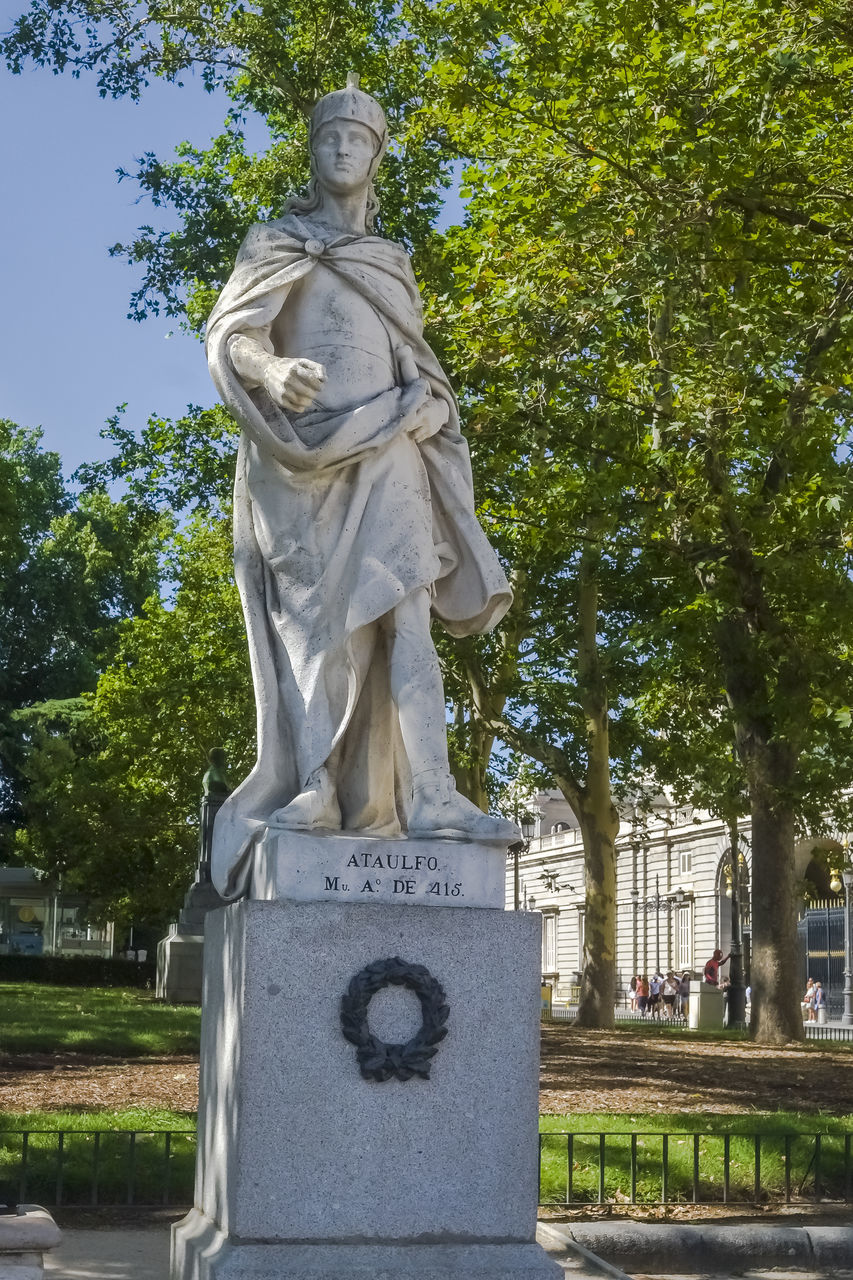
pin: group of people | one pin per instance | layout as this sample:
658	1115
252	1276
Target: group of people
814	999
661	996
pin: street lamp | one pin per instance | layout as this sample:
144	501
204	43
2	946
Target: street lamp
520	847
737	985
552	884
659	902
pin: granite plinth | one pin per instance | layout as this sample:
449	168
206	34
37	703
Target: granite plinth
218	1258
298	1149
300	866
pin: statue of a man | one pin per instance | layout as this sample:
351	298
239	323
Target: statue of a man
353	514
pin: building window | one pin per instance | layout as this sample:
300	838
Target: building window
686	862
549	942
684	935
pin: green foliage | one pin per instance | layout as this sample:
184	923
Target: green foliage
70	570
648	313
119	820
179	466
655	274
117	1021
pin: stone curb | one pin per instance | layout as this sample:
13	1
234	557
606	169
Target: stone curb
654	1248
573	1255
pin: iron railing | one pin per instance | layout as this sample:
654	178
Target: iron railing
568	1013
577	1169
154	1168
76	1168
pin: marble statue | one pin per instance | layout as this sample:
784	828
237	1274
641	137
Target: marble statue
354	517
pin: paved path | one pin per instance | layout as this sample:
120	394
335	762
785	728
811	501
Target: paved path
127	1253
142	1253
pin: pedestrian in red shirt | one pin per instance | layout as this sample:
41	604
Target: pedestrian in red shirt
712	968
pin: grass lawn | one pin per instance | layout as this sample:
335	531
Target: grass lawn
99	1162
785	1156
121	1022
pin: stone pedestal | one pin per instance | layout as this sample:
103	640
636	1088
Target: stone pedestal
706	1008
25	1237
180	964
308	1169
180	955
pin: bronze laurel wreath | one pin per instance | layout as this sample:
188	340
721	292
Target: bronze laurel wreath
380	1061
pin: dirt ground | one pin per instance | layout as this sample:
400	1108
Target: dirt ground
625	1073
78	1082
582	1071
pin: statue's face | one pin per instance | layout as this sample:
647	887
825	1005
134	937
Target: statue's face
344	151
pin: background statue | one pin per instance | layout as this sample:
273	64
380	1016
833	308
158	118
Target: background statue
353	514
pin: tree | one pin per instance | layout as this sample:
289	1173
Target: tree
218	191
654	278
70	569
114	778
693	161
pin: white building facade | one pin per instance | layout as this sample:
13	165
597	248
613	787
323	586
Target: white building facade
673	891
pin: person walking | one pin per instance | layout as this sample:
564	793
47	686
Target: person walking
818	1004
807	1002
670	992
684	993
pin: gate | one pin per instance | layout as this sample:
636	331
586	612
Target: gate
820	934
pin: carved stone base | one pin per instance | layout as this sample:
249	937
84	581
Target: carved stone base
307	866
302	1160
202	1252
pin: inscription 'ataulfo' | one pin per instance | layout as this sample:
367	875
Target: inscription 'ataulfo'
319	868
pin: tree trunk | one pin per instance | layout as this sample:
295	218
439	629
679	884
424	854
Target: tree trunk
776	1015
599	826
597	814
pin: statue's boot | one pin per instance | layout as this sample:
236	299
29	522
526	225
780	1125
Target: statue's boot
439	810
316	806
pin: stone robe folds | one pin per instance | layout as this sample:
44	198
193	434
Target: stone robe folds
337	518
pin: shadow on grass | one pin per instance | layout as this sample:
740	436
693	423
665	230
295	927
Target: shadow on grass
119	1022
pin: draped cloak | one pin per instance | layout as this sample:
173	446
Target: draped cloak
338	516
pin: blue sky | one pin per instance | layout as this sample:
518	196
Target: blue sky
69	355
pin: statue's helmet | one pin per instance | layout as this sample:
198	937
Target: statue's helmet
352	103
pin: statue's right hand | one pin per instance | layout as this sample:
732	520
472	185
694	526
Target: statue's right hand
293	384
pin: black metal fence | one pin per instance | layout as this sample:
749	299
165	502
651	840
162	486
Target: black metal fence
155	1168
577	1169
78	1168
820	936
